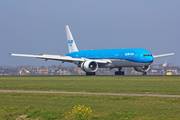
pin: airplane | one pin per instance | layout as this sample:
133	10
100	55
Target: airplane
91	60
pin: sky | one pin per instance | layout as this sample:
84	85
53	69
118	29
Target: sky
38	26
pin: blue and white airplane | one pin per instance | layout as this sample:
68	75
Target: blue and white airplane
91	60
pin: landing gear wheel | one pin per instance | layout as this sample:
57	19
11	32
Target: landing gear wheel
119	73
144	73
90	73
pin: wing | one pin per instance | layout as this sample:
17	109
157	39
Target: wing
162	55
60	58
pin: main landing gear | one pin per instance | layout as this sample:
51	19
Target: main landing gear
119	72
90	73
144	73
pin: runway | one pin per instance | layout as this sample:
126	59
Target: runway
90	93
93	76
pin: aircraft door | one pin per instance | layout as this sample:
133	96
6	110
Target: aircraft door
121	56
135	56
73	55
102	56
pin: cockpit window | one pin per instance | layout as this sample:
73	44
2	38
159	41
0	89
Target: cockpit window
147	55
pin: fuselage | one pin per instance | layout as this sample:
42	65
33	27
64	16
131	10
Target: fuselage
119	57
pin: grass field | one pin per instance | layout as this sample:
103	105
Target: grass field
155	85
57	106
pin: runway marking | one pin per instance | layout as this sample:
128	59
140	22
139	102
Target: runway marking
91	93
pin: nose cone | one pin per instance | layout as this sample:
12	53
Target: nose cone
149	59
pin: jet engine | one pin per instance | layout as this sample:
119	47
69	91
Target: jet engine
89	66
142	69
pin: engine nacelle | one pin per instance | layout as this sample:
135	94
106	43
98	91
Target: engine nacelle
89	66
142	69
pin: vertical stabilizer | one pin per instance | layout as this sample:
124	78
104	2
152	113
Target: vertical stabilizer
71	43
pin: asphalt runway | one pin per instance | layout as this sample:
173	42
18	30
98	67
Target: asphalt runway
90	93
93	75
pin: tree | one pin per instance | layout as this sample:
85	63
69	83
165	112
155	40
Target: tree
59	67
53	66
71	70
42	67
1	68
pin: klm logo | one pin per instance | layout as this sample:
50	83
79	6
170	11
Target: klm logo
70	42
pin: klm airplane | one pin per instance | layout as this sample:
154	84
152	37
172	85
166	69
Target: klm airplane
91	60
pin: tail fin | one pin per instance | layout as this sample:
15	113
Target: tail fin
71	43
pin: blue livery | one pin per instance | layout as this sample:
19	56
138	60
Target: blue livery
134	55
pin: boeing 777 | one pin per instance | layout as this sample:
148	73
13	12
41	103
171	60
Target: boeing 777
91	60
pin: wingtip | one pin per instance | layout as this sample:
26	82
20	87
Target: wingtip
171	54
9	53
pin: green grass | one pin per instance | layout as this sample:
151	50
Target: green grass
151	85
57	106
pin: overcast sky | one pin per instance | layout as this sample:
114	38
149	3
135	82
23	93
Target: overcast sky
38	26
